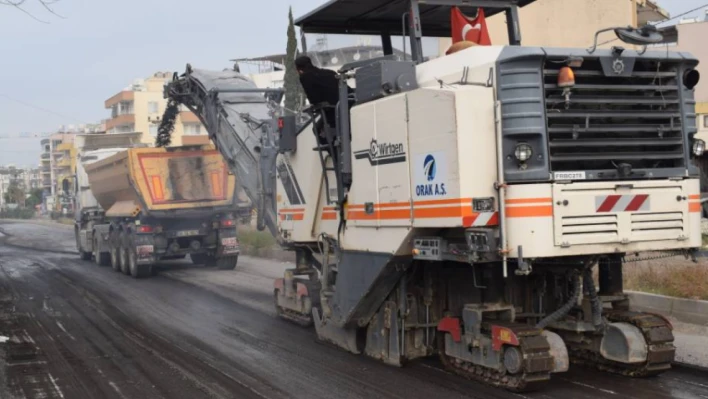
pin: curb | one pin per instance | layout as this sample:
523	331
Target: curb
684	310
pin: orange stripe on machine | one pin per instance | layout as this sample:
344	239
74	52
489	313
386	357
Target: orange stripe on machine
519	201
529	211
292	210
329	216
694	207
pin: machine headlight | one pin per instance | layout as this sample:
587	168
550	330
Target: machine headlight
699	147
523	152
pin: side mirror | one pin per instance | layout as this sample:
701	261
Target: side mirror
287	126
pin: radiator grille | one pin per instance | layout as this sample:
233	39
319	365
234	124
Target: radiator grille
613	120
655	222
590	228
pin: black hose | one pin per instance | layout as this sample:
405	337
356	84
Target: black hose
563	310
589	284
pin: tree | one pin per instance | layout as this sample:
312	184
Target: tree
35	198
15	194
20	5
293	91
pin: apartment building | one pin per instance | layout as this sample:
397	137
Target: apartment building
63	167
140	107
45	166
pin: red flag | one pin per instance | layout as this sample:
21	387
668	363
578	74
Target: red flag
472	30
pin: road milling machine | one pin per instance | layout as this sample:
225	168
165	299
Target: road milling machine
477	206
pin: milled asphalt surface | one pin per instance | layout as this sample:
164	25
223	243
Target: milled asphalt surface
81	331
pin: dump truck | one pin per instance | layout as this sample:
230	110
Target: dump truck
461	206
160	204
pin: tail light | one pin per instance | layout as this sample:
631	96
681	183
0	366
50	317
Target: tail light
145	229
281	123
228	223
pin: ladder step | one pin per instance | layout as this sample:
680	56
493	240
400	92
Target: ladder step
321	148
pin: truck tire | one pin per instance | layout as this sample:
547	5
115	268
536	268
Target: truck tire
114	246
101	258
225	263
123	251
136	270
85	255
199	259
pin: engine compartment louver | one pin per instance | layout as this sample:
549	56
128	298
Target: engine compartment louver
605	121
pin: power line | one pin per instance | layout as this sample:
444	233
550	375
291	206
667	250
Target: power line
26	104
663	21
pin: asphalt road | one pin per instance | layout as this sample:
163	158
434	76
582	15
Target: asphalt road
75	330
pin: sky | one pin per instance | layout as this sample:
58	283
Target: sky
60	71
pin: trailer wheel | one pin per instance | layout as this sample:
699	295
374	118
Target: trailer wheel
136	270
123	253
114	246
225	263
101	258
86	255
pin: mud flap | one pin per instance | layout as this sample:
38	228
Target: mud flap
561	361
624	343
328	331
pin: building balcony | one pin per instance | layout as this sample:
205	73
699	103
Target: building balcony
44	142
649	11
122	96
195	140
65	147
45	157
120	120
188	117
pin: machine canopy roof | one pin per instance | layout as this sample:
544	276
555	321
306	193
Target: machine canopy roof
375	17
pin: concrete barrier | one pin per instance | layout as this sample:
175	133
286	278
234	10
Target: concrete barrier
684	310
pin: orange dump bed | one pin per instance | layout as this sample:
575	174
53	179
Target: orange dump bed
159	179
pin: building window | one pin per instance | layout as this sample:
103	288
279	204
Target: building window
705	121
153	130
192	129
126	108
152	107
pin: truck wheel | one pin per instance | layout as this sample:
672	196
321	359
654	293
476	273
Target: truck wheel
85	255
136	270
114	245
123	254
101	258
199	259
225	263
